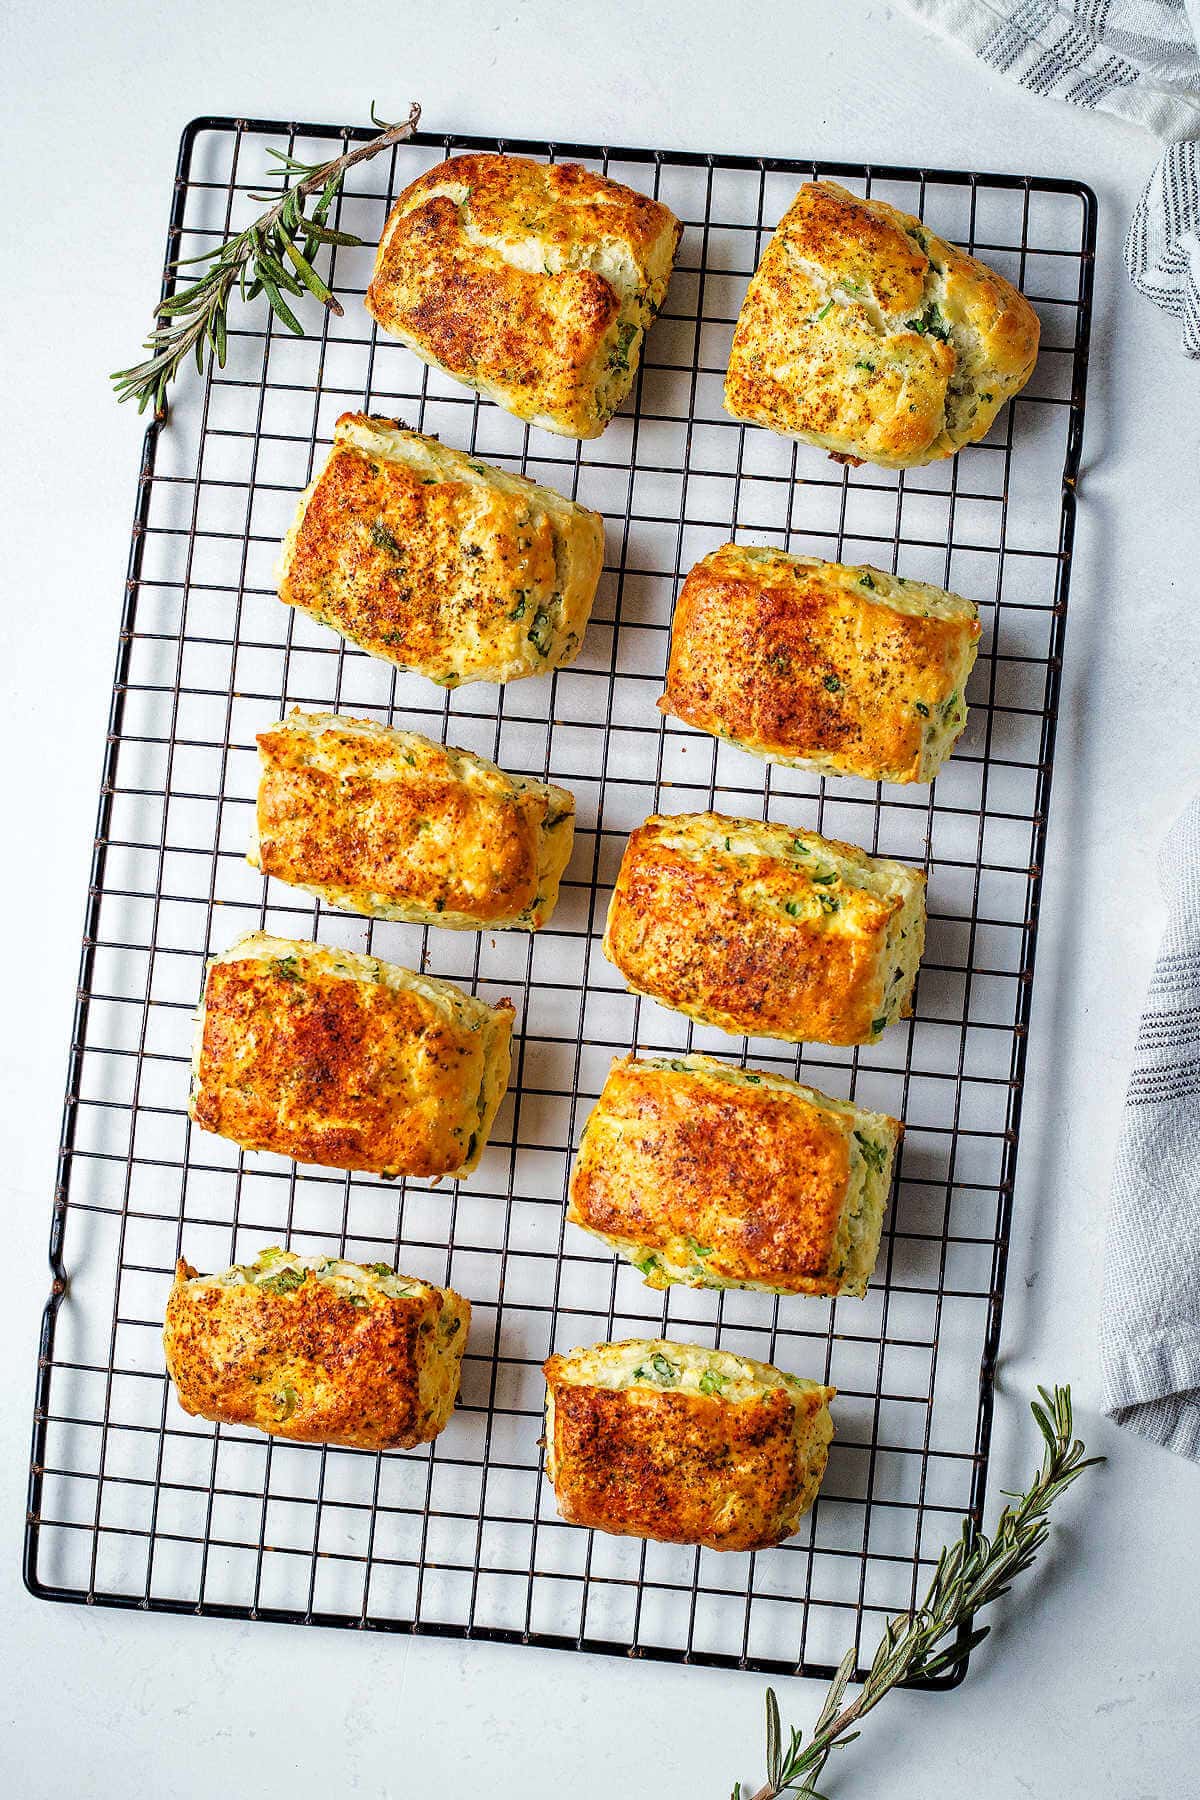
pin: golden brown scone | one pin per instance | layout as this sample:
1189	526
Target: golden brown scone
438	562
766	929
659	1440
851	671
534	283
346	1061
714	1176
317	1349
866	334
391	824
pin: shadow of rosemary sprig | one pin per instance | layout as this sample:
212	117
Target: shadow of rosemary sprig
970	1574
273	256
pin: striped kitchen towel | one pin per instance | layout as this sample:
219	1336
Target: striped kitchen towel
1138	58
1150	1327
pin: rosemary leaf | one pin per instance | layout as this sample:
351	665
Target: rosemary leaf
774	1747
971	1573
273	257
279	305
187	262
289	162
310	278
271	267
191	297
837	1688
323	235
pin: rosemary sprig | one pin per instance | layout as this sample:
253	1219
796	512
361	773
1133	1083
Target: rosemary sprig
970	1575
273	256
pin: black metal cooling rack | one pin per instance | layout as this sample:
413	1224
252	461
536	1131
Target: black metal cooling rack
133	1504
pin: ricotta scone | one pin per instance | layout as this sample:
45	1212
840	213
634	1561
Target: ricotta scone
850	671
343	1060
652	1439
534	283
437	562
391	824
864	333
317	1349
766	929
713	1176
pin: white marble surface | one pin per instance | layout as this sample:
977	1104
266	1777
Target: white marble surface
1087	1686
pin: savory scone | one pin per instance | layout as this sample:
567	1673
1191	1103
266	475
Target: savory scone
391	824
340	1059
864	333
850	671
690	1446
534	283
438	562
317	1349
766	929
709	1175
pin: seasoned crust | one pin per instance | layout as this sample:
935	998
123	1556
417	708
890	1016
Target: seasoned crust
534	283
868	335
316	1349
391	824
435	561
851	671
346	1061
766	929
709	1175
732	1464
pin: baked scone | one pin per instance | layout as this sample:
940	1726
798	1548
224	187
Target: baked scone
317	1349
709	1175
766	929
391	824
850	671
438	562
534	283
866	334
652	1439
340	1059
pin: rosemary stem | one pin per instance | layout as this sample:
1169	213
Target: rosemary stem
971	1573
264	258
312	184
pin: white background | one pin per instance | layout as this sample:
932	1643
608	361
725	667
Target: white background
1087	1685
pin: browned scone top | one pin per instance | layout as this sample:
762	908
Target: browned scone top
532	282
343	1060
765	928
433	560
317	1349
670	1441
710	1175
852	671
865	333
392	824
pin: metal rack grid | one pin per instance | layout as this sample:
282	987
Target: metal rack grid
131	1503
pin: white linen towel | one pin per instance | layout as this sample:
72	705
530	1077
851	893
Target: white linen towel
1138	58
1150	1325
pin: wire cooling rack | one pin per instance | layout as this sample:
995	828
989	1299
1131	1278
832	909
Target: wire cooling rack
131	1503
